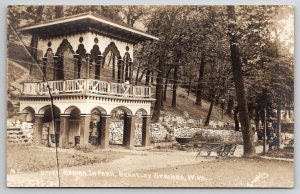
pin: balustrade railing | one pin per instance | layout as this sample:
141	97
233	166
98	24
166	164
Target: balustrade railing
86	86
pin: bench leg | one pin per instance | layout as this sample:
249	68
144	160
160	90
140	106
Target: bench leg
199	153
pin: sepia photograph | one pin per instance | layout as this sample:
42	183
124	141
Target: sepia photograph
192	96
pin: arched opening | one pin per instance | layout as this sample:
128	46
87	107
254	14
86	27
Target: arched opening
112	65
28	114
95	127
96	61
72	133
50	124
64	64
48	67
141	116
81	62
127	71
121	125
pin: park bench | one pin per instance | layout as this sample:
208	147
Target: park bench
221	149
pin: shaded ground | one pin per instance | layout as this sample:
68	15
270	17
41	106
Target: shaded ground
168	168
29	158
280	153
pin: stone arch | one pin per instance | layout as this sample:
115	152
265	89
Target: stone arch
113	48
100	109
52	125
45	108
70	109
141	112
123	108
29	113
64	45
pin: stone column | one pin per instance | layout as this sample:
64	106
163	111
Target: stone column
146	131
104	133
38	127
64	131
84	129
129	131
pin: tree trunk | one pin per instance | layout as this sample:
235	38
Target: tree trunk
248	137
59	11
165	90
152	77
142	75
159	87
137	73
278	123
236	119
257	119
139	66
148	72
175	86
166	84
209	112
229	106
200	79
34	38
190	81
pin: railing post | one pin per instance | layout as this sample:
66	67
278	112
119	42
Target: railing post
64	86
108	88
133	91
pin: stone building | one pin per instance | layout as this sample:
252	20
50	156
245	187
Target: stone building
76	51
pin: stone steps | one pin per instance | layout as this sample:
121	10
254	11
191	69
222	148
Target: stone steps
19	134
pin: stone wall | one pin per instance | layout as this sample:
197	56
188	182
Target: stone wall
167	130
20	132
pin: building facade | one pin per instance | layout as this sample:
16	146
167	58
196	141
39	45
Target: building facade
87	69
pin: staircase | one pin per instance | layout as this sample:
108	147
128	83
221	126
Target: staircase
16	136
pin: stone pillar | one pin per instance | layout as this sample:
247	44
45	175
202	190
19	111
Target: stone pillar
38	127
104	133
64	131
129	131
146	131
84	129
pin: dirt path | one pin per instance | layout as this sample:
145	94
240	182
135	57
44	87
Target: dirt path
131	163
164	169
